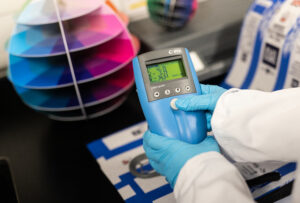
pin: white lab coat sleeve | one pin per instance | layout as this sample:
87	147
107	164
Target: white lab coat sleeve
210	178
250	126
255	126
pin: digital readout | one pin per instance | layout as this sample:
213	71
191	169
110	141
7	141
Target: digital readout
165	71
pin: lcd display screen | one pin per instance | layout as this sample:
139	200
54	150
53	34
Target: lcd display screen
165	71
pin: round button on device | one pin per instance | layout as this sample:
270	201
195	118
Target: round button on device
156	94
187	88
177	90
173	105
167	92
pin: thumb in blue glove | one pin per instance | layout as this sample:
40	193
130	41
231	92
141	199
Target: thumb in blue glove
167	155
207	101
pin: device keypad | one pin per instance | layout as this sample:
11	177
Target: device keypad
171	90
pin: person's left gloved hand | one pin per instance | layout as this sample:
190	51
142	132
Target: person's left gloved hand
167	155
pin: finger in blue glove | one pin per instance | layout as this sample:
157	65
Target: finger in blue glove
207	101
167	155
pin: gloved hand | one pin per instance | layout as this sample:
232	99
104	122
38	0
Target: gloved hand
168	155
207	101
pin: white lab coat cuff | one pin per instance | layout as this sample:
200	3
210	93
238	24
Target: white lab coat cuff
189	171
209	177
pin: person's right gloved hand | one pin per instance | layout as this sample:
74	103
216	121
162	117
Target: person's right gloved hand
206	102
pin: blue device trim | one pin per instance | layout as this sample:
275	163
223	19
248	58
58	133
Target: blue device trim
162	119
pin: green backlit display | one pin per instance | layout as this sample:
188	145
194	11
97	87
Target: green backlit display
169	70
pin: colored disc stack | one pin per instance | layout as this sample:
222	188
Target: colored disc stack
71	59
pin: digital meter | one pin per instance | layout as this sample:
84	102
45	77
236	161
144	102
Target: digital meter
161	77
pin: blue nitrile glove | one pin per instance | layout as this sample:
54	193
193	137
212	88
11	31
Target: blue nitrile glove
207	101
168	155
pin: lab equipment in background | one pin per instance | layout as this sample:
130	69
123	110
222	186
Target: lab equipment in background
135	9
267	56
161	78
212	34
172	14
72	60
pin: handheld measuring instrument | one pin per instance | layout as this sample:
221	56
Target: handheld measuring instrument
161	78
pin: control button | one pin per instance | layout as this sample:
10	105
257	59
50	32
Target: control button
177	90
156	94
173	105
167	92
187	88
